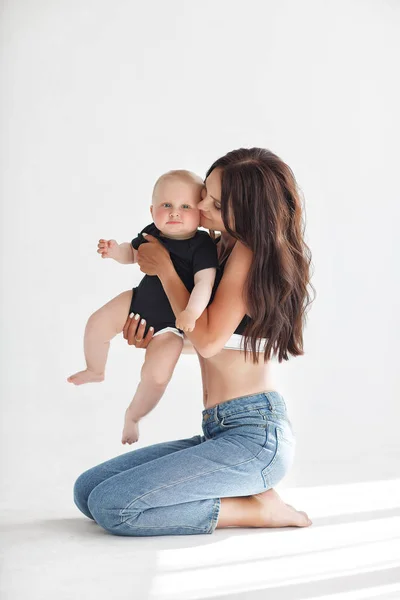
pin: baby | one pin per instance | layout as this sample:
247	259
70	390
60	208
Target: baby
194	255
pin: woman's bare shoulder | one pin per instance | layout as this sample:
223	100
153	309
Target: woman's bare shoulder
240	257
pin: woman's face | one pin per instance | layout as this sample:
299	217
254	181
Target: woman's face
210	204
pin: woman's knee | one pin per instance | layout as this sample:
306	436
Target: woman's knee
102	506
81	491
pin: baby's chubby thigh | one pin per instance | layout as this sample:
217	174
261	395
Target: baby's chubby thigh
162	354
111	317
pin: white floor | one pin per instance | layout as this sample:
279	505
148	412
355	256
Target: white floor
352	551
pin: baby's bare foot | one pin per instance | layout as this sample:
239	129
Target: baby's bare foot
130	433
85	377
275	513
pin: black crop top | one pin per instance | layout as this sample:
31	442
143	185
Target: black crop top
220	271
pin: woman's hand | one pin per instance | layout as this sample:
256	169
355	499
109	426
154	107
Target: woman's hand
153	258
134	329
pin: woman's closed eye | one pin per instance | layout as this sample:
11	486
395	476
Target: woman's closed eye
204	194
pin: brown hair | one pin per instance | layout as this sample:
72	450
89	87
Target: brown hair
261	201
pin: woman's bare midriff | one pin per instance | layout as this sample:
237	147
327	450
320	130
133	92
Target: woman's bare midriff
227	376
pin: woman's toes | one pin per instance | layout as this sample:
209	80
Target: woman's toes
304	519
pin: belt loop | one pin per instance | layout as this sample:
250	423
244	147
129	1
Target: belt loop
271	406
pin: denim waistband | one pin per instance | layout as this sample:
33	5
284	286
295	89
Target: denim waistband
271	401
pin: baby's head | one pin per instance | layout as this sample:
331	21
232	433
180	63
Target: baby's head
176	195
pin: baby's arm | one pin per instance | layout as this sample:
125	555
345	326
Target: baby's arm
123	253
127	254
198	301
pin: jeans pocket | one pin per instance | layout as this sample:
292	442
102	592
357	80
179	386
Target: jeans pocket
282	459
248	418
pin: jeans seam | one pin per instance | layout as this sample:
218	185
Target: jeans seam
269	467
215	515
266	472
259	408
222	424
164	527
187	479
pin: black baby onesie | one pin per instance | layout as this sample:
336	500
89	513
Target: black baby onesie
188	257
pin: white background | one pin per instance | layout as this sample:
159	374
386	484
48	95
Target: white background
98	99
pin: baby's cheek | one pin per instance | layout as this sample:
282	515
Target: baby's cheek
196	219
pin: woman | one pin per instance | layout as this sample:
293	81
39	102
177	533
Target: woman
225	477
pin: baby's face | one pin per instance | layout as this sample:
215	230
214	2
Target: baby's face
174	209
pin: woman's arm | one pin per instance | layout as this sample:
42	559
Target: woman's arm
218	322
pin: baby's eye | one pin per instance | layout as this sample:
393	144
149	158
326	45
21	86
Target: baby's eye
166	204
186	206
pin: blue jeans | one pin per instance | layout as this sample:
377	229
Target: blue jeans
175	488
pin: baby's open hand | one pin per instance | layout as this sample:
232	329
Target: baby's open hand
186	321
108	248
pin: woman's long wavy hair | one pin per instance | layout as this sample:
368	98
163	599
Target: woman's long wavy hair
261	207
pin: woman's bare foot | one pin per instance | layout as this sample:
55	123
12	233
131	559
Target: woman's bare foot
85	377
275	513
266	509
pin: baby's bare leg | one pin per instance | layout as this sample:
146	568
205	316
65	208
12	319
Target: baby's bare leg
162	354
101	327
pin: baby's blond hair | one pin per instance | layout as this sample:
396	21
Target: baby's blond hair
183	175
